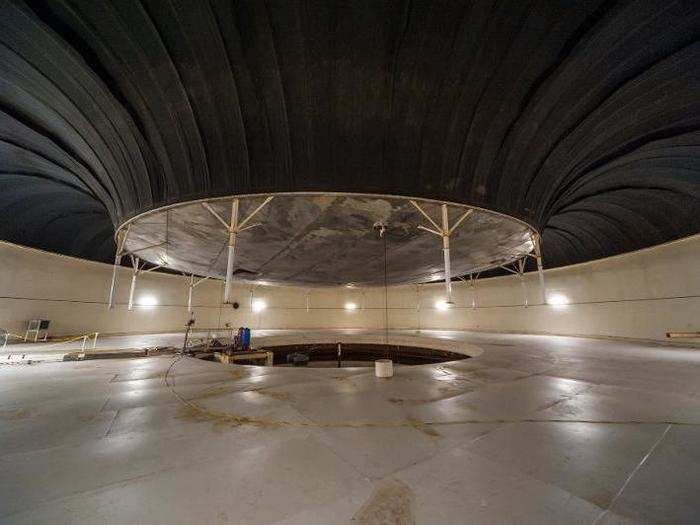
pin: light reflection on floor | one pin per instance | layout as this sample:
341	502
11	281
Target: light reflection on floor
535	429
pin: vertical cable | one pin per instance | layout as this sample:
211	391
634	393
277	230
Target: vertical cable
167	236
386	295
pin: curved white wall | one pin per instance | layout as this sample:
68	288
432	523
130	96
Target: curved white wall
639	295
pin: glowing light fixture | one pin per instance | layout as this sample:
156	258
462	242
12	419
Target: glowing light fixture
148	301
350	306
442	305
259	305
557	300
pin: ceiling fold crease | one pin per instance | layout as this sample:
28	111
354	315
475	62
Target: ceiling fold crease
580	118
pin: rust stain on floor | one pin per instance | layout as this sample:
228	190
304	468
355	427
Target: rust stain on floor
239	374
447	394
225	387
200	415
279	396
425	429
14	414
218	390
391	503
145	377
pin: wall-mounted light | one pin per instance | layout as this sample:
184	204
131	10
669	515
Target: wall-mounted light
442	305
259	305
149	301
350	306
558	300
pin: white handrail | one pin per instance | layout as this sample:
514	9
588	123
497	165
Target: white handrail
7	337
85	337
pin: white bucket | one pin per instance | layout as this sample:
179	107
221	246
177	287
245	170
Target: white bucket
384	368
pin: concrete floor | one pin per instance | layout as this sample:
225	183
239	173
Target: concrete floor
536	429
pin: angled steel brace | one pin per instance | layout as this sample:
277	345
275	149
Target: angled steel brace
445	231
193	283
234	227
537	241
521	275
121	242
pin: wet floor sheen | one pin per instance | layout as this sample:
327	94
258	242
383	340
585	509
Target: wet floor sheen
532	429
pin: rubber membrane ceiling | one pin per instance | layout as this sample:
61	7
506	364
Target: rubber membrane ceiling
580	117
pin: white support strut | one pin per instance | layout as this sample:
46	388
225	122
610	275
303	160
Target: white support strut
234	227
134	274
113	285
443	231
121	252
121	240
521	276
232	235
190	288
189	294
472	282
537	241
446	252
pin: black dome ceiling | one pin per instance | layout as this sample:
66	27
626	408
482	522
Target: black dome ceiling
582	118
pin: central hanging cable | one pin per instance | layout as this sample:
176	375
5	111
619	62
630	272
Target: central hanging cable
381	229
386	296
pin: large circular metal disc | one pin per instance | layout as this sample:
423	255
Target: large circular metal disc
325	240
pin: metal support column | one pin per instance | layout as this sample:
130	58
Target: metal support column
234	228
191	286
232	234
121	240
521	276
472	284
446	253
112	288
537	241
134	274
443	231
189	294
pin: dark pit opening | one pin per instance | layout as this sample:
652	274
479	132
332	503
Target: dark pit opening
333	355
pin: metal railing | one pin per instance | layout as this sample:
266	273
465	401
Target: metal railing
85	338
5	335
206	337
